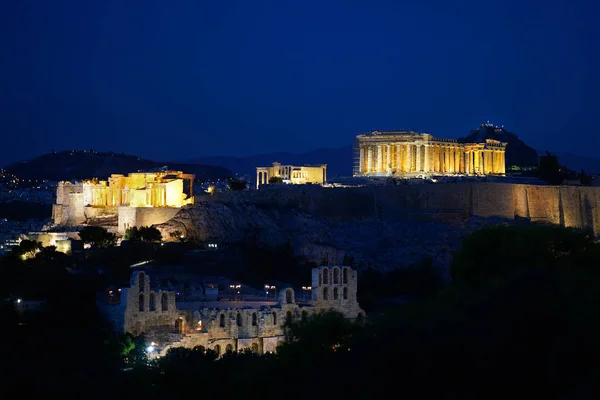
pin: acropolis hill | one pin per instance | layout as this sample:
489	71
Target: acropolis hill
382	226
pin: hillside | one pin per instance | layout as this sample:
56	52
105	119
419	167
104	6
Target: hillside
577	163
338	160
518	153
84	164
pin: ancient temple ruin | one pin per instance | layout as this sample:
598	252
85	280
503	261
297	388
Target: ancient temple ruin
411	154
223	324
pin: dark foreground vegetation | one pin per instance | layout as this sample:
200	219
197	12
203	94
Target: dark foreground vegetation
518	321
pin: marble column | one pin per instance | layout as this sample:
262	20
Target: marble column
379	158
369	158
388	165
426	161
361	160
398	158
418	150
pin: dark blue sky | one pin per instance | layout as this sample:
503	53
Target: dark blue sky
182	79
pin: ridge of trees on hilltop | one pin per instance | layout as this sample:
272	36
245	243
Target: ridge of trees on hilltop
87	164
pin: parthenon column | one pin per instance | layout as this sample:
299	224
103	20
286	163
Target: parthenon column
388	165
379	158
361	160
502	162
408	163
418	151
426	161
398	158
369	158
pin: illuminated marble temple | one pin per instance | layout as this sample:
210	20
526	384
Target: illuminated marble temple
290	174
120	196
412	154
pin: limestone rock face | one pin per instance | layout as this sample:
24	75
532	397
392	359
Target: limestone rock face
380	243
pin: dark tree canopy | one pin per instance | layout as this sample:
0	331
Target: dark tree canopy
143	234
550	170
27	248
492	254
275	180
97	237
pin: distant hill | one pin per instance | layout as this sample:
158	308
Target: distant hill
576	163
84	164
338	160
517	152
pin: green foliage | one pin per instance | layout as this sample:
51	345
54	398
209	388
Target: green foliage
275	180
143	234
97	237
236	185
492	254
27	248
550	170
317	335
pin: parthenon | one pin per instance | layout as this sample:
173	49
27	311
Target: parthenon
411	154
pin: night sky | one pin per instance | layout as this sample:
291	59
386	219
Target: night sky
174	80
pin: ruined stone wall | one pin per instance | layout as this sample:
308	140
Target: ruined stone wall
151	313
143	216
94	212
76	215
60	214
140	309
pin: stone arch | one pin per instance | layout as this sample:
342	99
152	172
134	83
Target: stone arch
217	349
345	276
325	293
179	325
164	301
152	305
274	318
254	319
254	348
336	293
325	276
238	319
222	321
141	302
345	293
336	276
229	349
288	317
142	281
289	296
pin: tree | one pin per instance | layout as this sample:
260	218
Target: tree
97	237
549	169
143	234
493	254
236	185
27	248
584	178
275	180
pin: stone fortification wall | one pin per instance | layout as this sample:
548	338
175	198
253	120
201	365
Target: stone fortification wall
572	206
76	215
143	216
